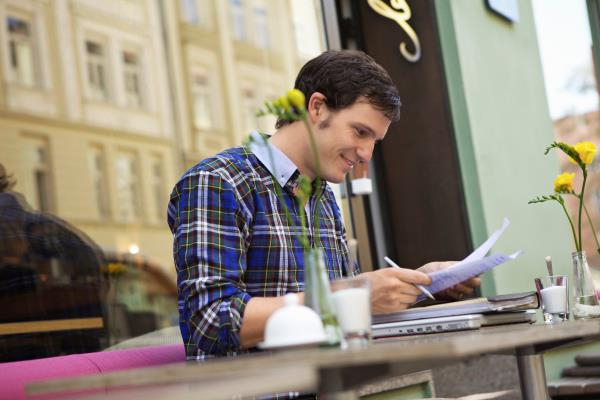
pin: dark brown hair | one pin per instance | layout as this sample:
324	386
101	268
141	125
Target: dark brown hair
6	181
343	76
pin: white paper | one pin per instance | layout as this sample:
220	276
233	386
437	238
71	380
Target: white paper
474	264
482	250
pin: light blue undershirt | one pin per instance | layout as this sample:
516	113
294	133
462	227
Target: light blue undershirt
282	168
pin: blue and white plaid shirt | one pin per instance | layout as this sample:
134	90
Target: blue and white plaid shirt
232	242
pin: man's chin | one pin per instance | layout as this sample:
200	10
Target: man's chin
335	179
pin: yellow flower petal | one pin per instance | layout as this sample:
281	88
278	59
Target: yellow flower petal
564	183
297	98
284	103
586	151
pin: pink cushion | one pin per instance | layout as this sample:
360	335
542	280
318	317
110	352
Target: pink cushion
107	361
15	375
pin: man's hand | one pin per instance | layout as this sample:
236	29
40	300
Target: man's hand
456	292
392	289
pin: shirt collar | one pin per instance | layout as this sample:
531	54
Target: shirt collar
281	167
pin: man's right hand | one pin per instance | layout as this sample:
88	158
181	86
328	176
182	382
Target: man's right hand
392	289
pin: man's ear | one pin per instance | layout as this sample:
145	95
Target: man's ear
317	108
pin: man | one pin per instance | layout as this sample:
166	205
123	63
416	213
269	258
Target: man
236	254
50	270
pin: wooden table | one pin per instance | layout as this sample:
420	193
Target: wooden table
334	370
51	325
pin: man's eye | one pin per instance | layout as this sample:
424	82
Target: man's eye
361	132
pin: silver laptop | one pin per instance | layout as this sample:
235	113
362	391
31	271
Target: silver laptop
450	323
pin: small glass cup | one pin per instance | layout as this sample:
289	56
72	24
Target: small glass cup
352	300
553	292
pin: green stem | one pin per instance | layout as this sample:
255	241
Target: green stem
279	194
581	203
314	149
562	204
591	225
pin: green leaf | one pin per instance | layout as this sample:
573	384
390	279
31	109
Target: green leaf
568	150
545	198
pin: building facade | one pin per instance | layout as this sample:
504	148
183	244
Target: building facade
105	104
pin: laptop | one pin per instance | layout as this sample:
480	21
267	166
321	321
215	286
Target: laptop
450	323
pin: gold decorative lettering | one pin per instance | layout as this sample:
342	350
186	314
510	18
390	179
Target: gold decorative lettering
400	13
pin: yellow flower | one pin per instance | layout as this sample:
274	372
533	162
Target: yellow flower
284	103
586	151
296	97
564	183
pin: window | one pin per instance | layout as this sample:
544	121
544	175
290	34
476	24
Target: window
96	65
238	24
39	183
203	111
189	11
249	108
128	194
132	76
306	28
267	123
98	173
21	55
261	25
570	81
158	188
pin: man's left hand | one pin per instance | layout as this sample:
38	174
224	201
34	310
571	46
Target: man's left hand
456	292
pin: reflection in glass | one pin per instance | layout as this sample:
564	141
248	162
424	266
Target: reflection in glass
98	174
566	51
127	187
200	69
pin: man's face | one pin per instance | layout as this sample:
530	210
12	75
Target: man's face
347	137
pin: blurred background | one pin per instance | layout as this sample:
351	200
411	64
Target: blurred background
103	105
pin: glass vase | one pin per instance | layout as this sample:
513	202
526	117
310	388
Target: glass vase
317	294
585	302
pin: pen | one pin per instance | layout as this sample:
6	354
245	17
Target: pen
420	287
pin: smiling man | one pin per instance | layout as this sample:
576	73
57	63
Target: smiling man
236	254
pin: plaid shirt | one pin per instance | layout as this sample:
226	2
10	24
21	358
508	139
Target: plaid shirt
232	242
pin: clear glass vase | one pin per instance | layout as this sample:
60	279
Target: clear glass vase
585	302
317	294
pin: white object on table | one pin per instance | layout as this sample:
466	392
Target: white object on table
353	308
554	299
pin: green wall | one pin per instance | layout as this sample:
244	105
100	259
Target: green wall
502	127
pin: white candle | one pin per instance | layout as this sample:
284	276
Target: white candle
353	308
554	299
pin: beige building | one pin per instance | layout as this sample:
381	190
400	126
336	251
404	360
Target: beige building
104	104
227	57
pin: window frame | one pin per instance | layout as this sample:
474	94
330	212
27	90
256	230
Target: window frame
92	92
12	72
138	70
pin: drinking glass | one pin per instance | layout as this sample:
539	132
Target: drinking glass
352	299
553	292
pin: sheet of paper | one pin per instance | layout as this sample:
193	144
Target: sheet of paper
475	264
482	250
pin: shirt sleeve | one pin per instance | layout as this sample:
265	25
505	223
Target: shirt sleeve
210	257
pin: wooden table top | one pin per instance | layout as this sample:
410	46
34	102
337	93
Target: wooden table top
411	350
51	325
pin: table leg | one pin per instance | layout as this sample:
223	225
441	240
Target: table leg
532	375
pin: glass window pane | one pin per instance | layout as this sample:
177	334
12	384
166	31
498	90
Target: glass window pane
571	89
135	109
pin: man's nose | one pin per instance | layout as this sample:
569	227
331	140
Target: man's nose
365	151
